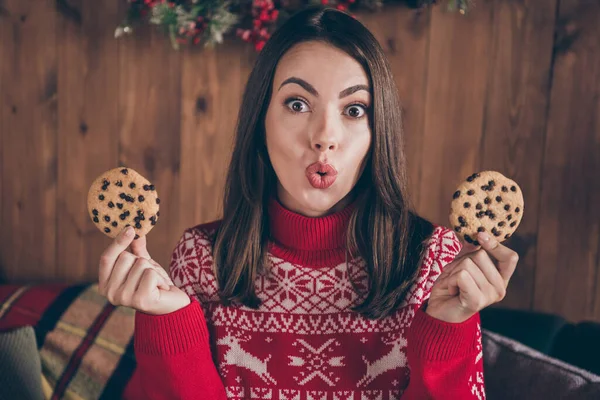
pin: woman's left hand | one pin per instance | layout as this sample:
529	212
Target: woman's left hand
476	278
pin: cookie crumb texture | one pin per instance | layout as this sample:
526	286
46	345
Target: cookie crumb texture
120	198
486	202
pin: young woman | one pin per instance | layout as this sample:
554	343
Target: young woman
319	282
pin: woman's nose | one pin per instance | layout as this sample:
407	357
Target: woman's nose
324	144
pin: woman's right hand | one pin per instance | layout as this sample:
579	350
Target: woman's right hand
135	280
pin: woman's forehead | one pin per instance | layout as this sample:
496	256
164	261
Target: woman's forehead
320	64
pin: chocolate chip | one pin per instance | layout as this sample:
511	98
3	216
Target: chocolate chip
509	217
138	225
140	198
492	183
115	224
124	171
157	200
487	200
513	188
111	204
468	239
475	242
472	177
127	226
507	236
517	210
480	214
481	229
467	205
498	233
101	197
504	189
158	213
132	185
107	218
507	207
122	216
151	187
123	196
499	199
461	219
485	187
104	187
153	223
471	192
512	224
130	199
119	183
95	212
456	194
120	205
457	228
96	220
127	212
479	206
501	224
492	216
107	230
146	187
137	219
136	237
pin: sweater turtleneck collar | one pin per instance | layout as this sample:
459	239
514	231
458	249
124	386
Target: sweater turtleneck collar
308	241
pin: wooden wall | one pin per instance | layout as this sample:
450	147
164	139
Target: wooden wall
514	86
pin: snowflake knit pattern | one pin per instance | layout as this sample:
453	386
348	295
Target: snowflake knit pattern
305	342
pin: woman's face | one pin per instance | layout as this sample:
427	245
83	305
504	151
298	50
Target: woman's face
317	127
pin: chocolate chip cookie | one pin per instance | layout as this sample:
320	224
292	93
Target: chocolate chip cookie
486	202
120	198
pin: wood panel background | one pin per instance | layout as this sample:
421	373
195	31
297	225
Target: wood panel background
513	86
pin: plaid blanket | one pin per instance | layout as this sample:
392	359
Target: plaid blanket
85	343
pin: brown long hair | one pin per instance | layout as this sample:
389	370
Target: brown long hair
382	230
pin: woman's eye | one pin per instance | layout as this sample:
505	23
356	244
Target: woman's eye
297	105
356	111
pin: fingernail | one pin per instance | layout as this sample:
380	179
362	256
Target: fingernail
128	231
484	237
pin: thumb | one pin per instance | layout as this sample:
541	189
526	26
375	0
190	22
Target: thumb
138	248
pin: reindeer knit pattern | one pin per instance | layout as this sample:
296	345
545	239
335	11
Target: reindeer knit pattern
304	342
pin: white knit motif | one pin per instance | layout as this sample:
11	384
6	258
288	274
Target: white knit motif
395	358
238	357
316	362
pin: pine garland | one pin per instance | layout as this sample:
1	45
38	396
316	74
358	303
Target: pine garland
207	21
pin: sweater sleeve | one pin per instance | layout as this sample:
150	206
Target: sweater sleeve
445	359
172	351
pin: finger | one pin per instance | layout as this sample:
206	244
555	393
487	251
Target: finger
119	273
109	256
146	288
138	247
507	258
135	276
486	265
479	277
470	297
467	248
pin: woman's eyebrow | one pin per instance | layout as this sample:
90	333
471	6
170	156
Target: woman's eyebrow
310	88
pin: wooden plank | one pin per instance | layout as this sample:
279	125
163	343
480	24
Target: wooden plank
515	119
88	137
149	125
454	105
404	35
28	154
569	217
211	87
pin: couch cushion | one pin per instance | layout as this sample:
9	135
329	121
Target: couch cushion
85	344
20	368
515	371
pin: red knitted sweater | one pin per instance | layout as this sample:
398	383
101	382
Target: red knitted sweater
304	342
